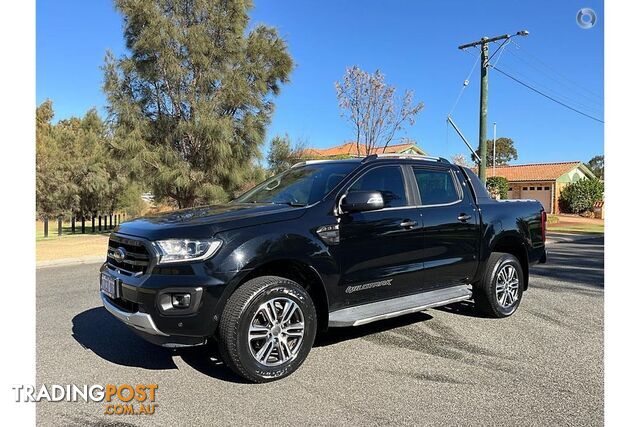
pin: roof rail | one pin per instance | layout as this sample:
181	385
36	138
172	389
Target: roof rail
309	162
404	156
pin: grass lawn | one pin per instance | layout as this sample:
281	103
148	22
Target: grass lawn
69	245
579	230
66	230
575	224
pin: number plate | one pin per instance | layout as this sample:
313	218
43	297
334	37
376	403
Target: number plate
108	285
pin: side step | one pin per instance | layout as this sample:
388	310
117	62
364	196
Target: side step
367	313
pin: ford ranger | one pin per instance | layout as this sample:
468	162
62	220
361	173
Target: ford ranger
324	244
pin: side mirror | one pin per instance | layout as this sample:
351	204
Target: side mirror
360	201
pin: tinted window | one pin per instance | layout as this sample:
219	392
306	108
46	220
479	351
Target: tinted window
387	180
436	186
301	185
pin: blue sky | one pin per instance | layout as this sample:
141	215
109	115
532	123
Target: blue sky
413	42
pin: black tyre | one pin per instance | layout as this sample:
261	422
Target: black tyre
499	292
267	328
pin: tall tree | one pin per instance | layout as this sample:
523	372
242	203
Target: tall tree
597	166
75	171
55	189
192	98
373	109
505	151
284	153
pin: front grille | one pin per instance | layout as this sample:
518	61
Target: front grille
136	260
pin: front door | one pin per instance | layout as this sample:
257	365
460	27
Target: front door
380	252
451	227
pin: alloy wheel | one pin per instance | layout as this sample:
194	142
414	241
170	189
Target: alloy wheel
276	331
507	284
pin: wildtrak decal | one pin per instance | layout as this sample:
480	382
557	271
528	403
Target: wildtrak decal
365	286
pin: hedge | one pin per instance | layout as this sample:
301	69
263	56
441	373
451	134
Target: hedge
580	196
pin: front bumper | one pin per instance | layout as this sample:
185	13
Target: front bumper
139	321
139	304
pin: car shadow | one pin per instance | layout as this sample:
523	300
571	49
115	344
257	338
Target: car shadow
463	308
207	361
338	335
98	331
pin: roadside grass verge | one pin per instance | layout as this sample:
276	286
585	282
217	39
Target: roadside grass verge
66	230
71	247
580	229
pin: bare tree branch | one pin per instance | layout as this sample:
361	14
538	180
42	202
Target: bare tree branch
371	106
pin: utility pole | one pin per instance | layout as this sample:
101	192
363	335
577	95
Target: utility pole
484	93
494	148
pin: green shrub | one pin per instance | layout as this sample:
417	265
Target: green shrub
498	184
580	196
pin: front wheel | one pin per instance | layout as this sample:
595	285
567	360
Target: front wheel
499	292
267	328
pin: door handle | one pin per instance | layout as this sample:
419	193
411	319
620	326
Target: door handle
463	217
407	223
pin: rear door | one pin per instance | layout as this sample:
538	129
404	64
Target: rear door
380	252
451	229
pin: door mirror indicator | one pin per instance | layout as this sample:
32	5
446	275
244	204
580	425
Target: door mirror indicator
361	201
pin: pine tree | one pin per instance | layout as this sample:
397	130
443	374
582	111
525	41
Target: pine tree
191	100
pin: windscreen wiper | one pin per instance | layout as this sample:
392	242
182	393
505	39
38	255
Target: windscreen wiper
294	204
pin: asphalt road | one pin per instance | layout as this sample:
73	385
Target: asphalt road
542	366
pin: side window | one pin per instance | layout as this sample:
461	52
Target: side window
387	180
436	186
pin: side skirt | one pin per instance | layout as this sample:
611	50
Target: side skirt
367	313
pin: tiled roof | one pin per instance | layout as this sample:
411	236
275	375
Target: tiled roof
350	149
533	172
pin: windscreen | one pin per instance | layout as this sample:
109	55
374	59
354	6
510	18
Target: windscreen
299	186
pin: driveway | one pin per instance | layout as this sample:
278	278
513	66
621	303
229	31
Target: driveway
542	366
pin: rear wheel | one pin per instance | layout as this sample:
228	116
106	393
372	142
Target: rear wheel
267	328
499	292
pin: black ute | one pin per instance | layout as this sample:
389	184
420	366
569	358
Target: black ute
324	244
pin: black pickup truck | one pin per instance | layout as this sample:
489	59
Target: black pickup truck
325	244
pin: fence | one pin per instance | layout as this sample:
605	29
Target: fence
99	223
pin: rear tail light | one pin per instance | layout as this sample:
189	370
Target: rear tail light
544	225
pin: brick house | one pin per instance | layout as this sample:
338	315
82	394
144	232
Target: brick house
350	149
541	181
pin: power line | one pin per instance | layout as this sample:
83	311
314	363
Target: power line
550	68
464	85
584	105
573	88
546	96
503	47
483	44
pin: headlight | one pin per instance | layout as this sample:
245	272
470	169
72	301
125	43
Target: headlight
183	250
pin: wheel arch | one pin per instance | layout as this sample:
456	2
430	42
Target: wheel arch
515	246
302	273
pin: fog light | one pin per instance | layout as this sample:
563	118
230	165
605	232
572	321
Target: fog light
180	300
